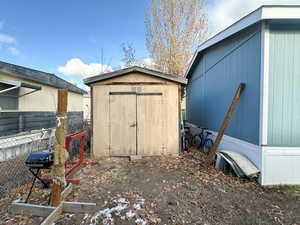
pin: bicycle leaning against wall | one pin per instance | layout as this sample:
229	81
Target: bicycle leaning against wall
203	140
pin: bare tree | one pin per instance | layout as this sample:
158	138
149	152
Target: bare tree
129	55
174	29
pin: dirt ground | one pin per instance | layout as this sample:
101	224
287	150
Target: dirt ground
165	190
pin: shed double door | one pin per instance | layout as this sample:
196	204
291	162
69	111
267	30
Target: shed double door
136	123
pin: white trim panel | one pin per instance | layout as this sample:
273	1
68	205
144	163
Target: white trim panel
281	165
264	85
250	151
281	12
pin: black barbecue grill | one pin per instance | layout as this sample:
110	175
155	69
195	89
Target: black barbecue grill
36	162
40	160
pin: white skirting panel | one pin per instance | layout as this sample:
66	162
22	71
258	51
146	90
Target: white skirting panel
251	151
280	165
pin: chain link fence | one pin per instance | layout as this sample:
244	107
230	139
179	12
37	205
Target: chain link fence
13	152
15	149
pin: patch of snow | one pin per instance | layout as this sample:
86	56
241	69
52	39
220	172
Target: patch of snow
105	216
18	201
130	214
142	201
84	218
137	206
121	200
140	221
118	209
69	216
106	213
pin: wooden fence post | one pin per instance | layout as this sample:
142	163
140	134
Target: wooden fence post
60	153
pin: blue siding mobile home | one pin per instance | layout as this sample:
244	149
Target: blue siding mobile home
261	50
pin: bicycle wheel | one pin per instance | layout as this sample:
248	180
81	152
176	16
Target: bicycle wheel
188	140
197	140
186	145
207	146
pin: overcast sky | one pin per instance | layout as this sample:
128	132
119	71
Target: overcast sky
223	13
66	37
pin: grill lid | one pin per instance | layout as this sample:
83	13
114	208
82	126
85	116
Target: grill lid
42	159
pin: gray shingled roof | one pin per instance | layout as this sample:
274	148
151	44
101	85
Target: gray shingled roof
38	76
106	76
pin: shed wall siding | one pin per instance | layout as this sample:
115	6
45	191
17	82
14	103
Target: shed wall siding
214	81
284	83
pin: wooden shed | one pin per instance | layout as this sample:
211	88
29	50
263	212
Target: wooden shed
135	111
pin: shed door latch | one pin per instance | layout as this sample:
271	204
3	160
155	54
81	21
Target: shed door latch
133	125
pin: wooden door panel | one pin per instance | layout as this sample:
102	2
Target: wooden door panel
122	124
150	124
